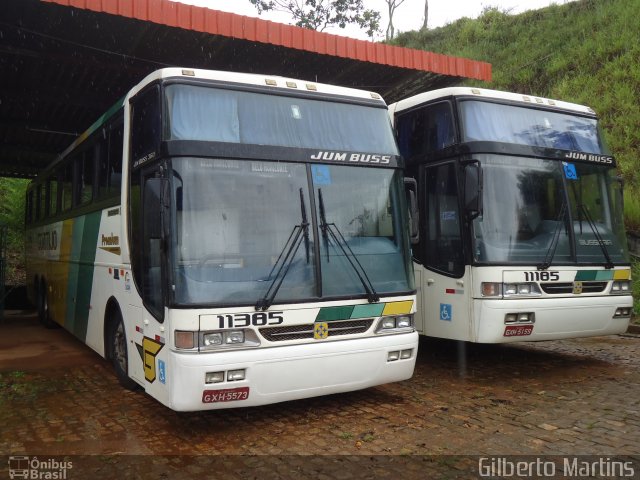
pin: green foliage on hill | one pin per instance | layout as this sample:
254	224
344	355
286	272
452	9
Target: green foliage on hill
585	52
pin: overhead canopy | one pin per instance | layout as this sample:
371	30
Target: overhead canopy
64	62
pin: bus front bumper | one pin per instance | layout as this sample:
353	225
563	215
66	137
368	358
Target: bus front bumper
278	374
555	319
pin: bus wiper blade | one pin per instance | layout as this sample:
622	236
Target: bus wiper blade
548	258
330	230
286	257
608	264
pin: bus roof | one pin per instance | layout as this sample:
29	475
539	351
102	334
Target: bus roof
483	93
278	83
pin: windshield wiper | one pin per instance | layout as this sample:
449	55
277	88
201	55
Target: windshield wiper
330	230
286	257
608	264
551	251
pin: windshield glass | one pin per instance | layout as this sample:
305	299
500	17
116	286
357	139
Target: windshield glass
486	121
232	220
524	210
261	119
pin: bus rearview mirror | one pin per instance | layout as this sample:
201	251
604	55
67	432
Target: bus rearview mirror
473	189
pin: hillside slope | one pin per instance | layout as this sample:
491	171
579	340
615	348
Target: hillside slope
586	52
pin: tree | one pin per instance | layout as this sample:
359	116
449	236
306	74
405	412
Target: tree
320	14
426	14
392	5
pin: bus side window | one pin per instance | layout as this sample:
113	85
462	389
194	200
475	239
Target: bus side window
53	194
66	186
443	245
426	130
115	158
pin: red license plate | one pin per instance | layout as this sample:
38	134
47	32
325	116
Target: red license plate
518	330
225	395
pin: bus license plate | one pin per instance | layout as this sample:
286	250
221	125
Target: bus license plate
225	395
518	330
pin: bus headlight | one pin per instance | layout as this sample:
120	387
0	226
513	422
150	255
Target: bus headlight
621	287
225	339
521	289
394	324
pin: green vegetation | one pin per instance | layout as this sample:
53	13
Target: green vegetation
583	52
12	197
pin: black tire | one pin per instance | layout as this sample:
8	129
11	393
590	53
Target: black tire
44	315
118	353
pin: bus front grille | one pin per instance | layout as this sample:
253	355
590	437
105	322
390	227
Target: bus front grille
301	332
567	288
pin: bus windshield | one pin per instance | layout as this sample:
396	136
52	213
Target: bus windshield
486	121
232	220
526	217
233	116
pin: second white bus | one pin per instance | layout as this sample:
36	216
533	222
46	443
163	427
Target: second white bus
520	209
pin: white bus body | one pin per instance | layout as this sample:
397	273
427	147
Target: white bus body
534	247
215	234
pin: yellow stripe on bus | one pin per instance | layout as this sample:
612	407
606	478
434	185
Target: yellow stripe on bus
398	308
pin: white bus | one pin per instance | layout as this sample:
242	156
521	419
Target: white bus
231	240
521	231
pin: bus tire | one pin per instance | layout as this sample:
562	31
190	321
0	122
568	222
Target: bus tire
119	356
44	315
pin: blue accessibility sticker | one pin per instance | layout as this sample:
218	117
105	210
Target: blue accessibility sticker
446	312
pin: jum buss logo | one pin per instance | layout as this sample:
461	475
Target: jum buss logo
33	468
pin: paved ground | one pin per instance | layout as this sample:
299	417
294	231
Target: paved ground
575	397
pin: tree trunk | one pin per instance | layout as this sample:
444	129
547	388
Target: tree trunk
426	14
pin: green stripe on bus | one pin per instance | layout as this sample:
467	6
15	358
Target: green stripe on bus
585	275
81	268
328	314
364	311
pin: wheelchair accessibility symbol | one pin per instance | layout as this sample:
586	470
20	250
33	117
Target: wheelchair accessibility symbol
570	171
445	312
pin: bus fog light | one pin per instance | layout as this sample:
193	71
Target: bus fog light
388	322
185	340
491	289
214	377
234	336
524	318
404	354
623	312
510	318
235	375
209	339
393	356
404	321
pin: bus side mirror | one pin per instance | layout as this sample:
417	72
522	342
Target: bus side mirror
411	190
473	189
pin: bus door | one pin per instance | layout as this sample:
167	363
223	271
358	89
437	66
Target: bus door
445	281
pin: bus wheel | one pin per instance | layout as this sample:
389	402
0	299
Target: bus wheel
119	356
44	315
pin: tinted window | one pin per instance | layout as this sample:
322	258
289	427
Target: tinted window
145	124
443	240
425	130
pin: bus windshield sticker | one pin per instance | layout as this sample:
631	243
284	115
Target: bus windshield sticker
570	171
446	312
321	174
448	215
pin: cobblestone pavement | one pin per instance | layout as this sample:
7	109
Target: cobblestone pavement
573	397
